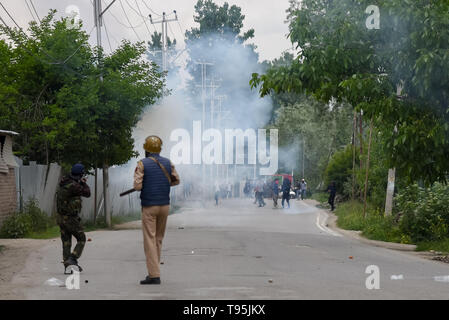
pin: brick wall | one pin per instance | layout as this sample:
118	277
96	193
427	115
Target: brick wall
8	200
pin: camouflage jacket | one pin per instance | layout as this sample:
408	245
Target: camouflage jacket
68	199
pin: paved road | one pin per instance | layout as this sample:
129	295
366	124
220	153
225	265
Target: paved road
238	251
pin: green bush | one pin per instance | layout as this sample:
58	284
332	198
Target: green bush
16	226
375	226
339	168
31	219
424	212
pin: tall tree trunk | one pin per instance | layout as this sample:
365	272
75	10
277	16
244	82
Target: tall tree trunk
107	213
95	195
361	138
390	191
354	129
367	167
46	153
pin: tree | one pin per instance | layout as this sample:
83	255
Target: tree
340	58
324	129
155	50
224	21
52	60
55	99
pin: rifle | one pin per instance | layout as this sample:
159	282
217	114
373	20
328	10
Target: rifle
127	192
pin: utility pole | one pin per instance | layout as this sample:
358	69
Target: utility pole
98	15
164	22
220	112
212	116
203	120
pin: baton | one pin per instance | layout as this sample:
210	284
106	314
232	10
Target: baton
127	192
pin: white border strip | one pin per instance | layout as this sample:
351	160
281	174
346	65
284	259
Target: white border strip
323	227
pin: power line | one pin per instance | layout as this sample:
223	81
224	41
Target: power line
31	1
33	54
107	35
159	15
54	61
31	12
137	12
1	4
127	18
121	23
180	28
171	31
144	18
69	57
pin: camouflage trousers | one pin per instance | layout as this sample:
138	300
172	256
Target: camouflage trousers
71	226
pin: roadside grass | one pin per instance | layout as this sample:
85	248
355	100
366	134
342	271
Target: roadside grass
321	197
375	226
439	246
49	233
53	231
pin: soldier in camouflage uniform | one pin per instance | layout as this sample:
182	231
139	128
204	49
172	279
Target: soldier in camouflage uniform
71	188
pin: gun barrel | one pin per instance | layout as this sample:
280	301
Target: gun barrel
127	192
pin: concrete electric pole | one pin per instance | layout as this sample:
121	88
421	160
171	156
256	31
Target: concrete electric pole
164	22
98	15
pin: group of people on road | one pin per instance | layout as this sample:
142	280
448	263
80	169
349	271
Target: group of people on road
222	190
262	189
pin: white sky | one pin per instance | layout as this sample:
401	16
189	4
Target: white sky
265	16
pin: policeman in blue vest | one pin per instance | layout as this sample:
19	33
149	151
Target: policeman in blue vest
154	175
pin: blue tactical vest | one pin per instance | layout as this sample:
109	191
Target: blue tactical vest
155	186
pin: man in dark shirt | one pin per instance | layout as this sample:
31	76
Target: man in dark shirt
332	190
286	186
275	190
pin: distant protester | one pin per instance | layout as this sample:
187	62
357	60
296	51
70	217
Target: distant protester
332	190
286	186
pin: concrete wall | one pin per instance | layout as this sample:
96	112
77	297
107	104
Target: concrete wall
41	183
7	194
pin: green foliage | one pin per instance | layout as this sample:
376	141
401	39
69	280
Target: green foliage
226	21
53	95
439	246
324	130
424	212
375	226
321	197
155	50
340	58
339	168
16	226
22	224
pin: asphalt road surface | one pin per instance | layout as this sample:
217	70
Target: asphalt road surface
237	251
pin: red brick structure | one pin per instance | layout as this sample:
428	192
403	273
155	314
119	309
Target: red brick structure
8	191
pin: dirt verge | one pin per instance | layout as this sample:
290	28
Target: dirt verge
13	256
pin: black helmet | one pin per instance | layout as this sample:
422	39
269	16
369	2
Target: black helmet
78	169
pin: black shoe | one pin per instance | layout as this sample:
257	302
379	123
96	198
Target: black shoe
149	280
71	261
